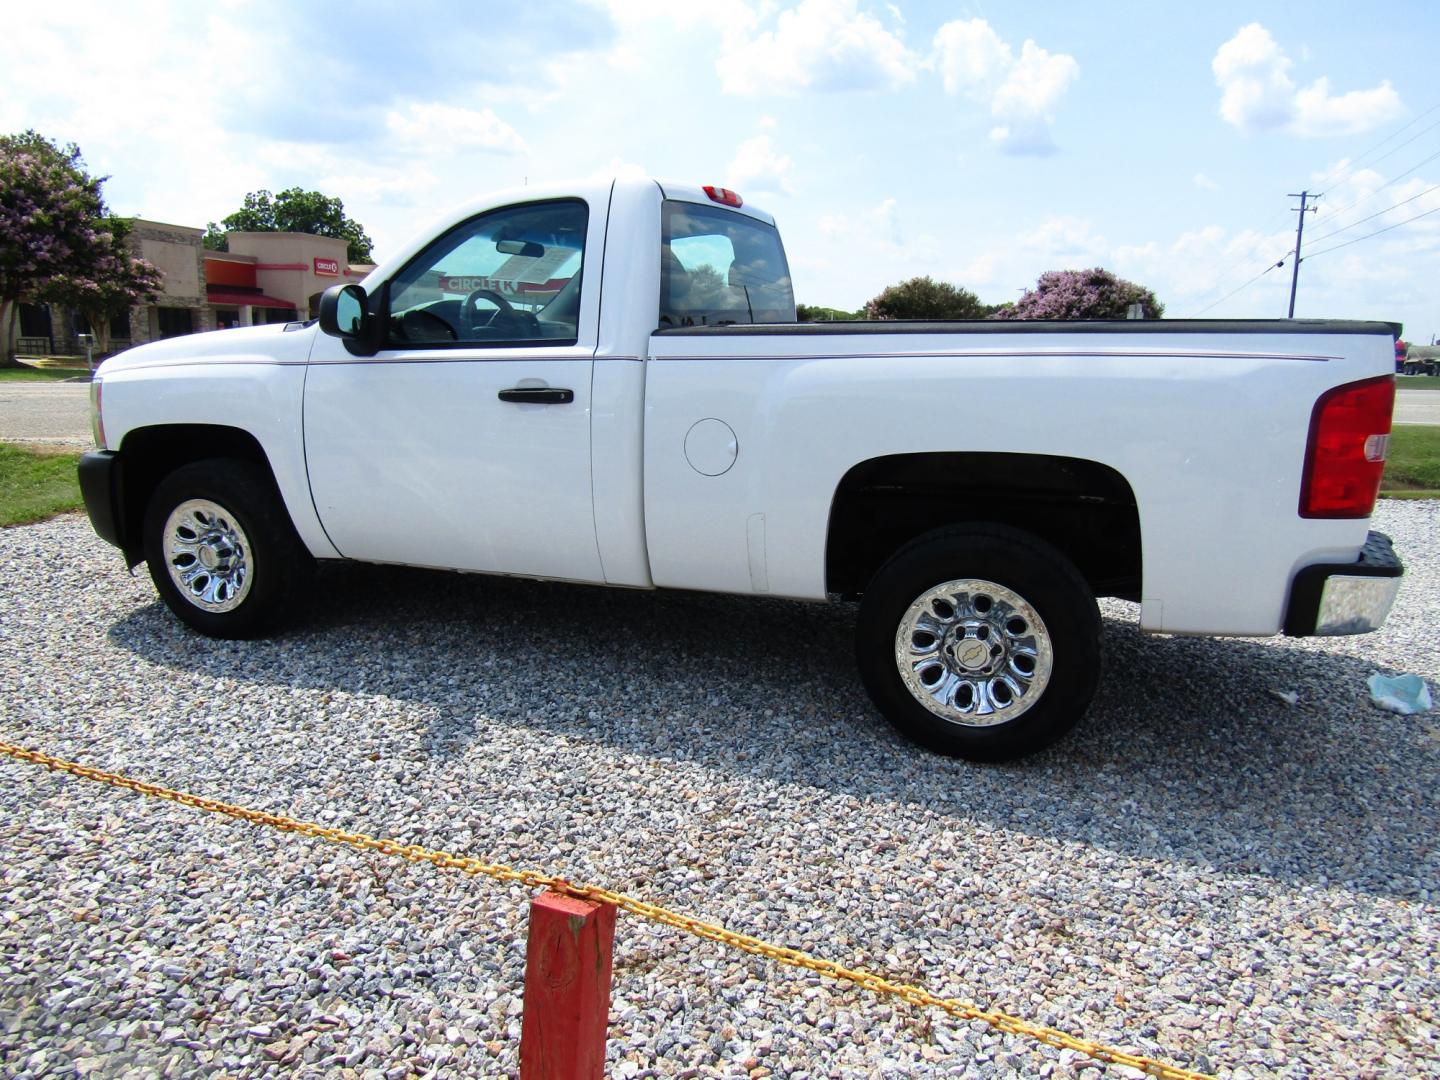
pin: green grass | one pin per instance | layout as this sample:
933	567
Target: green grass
1417	382
36	484
30	374
1413	463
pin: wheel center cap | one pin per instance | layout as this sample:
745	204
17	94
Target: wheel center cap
972	655
208	558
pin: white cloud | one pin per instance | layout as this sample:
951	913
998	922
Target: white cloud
1203	264
166	152
1070	241
972	58
1257	93
886	216
723	15
1318	113
394	185
1252	73
846	257
1203	181
1022	93
621	169
877	227
441	129
757	166
981	270
821	45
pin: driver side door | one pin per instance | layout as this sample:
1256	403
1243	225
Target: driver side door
464	443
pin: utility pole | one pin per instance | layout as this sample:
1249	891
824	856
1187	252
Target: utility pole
1303	196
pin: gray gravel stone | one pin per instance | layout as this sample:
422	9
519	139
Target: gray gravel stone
1202	872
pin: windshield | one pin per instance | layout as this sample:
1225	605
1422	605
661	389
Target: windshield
718	268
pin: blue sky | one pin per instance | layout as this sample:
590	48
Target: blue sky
979	143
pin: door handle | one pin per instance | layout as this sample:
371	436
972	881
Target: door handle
538	395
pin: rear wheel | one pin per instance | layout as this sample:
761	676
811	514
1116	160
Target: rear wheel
221	549
981	642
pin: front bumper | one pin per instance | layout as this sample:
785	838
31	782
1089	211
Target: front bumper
100	477
1346	598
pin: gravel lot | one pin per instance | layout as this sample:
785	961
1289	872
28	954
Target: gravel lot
1201	872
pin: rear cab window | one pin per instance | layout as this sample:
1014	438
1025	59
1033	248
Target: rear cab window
720	268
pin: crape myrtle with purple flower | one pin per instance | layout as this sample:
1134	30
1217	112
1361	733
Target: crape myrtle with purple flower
1082	294
58	243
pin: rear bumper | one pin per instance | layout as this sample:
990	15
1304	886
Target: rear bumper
100	476
1346	598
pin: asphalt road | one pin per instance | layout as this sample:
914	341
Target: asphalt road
1417	407
60	412
45	413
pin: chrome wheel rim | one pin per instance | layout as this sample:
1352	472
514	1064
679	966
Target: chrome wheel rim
207	555
973	652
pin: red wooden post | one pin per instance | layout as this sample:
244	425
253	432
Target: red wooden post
567	989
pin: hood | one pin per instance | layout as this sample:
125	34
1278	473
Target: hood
275	343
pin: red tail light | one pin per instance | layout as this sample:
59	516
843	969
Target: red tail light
724	196
1345	458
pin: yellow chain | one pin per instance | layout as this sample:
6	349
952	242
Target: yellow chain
915	995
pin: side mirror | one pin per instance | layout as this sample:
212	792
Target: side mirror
343	314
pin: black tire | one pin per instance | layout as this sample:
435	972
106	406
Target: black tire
251	533
1022	566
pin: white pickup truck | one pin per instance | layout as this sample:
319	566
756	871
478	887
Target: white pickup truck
605	383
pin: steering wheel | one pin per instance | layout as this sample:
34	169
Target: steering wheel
505	314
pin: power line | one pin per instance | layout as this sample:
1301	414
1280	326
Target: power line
1378	213
1351	166
1393	179
1323	251
1229	272
1377	232
1257	277
1236	265
1407	142
1341	173
1334	232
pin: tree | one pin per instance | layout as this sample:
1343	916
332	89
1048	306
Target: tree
1082	294
52	221
925	298
812	313
115	282
294	210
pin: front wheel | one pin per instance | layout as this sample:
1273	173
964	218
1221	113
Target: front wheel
221	549
981	642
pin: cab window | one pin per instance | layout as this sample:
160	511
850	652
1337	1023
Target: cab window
508	277
718	268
